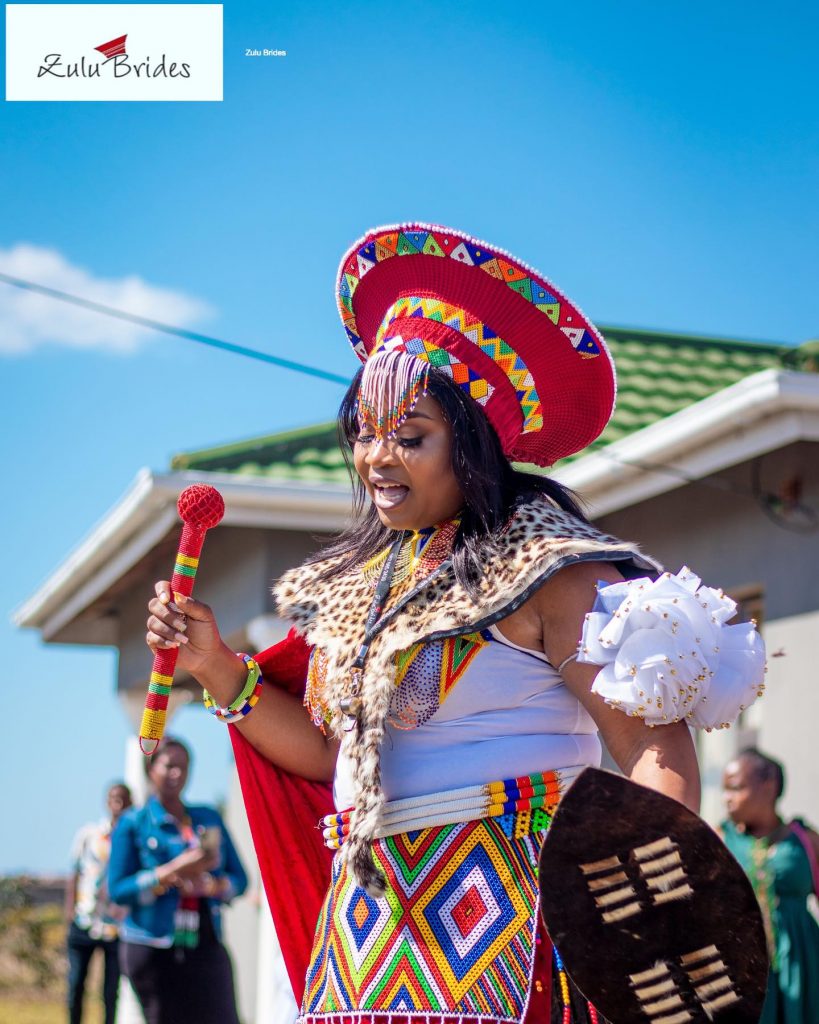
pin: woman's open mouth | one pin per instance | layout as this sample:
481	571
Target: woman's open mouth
388	495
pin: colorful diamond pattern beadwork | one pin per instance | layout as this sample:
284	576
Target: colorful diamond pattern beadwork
475	386
479	334
469	911
439	242
425	675
454	934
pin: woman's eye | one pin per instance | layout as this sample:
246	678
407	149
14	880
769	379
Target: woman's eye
403	442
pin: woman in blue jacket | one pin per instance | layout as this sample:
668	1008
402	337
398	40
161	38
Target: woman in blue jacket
173	866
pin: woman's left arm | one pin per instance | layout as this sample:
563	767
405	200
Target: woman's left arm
663	757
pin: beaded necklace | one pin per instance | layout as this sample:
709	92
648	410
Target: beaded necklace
762	882
410	554
420	552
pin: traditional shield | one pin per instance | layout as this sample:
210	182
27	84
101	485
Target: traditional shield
654	919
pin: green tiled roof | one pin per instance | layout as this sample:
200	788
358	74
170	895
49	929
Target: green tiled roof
311	454
658	374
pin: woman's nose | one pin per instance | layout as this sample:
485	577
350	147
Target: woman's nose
381	450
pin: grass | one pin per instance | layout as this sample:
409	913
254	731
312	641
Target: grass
33	961
48	1011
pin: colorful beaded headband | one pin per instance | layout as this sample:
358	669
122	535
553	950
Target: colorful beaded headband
537	366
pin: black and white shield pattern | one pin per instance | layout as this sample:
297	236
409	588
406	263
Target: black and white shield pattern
655	920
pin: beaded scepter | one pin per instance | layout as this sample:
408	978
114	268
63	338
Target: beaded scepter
200	508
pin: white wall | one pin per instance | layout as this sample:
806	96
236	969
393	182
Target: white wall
724	534
789	726
241	918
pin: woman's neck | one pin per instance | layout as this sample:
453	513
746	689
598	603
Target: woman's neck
174	806
766	826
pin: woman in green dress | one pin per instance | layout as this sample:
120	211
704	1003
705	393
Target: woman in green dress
781	862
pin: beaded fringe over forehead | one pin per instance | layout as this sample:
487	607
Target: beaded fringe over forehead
391	386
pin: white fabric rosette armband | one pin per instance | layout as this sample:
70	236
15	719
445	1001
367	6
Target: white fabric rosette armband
666	653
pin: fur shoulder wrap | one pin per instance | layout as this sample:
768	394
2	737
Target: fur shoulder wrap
538	541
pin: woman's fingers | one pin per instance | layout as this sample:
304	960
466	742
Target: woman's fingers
166	609
157	643
167	624
191	861
193	609
177	621
165	614
162	589
173	630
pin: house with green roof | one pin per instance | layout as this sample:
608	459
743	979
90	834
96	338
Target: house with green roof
658	375
711	460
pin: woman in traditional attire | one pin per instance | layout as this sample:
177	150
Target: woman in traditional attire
464	644
782	861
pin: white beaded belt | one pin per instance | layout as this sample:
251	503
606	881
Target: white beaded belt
540	791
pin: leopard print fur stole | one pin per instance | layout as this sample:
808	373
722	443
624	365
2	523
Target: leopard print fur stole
539	540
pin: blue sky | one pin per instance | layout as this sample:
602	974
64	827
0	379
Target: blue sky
660	162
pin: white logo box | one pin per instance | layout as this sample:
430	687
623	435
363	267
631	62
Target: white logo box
172	52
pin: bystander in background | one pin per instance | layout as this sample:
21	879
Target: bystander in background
91	917
175	866
782	861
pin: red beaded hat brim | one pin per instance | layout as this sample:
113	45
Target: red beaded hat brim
537	366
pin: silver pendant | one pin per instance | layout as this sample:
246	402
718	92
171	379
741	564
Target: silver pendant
350	706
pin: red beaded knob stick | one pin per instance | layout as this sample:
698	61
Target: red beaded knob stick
200	508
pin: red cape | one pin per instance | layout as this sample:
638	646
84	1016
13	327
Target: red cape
283	811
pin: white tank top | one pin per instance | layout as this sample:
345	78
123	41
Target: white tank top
479	709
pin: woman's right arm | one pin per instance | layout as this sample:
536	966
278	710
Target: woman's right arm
278	727
128	883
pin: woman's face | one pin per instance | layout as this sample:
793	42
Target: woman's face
169	772
747	799
119	800
409	477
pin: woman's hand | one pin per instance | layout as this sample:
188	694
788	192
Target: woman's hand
188	866
203	885
186	624
279	727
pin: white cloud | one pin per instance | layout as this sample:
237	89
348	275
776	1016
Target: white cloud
29	320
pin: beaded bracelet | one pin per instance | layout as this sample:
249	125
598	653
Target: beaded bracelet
247	699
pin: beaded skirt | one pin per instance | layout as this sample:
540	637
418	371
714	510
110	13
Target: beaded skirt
454	937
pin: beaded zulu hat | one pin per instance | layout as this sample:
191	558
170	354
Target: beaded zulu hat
530	358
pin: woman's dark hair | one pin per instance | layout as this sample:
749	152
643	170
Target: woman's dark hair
164	745
491	486
765	768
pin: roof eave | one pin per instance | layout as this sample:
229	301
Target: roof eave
760	413
145	514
